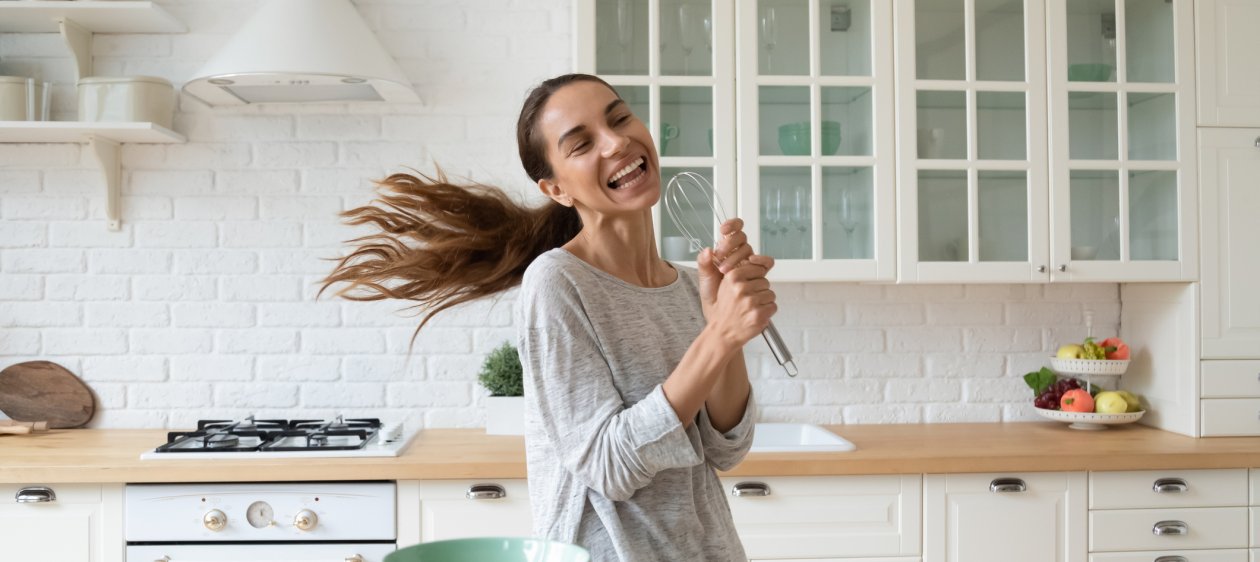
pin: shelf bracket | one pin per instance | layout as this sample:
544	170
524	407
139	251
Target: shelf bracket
106	152
80	42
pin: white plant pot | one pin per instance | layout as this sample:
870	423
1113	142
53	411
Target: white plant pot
505	415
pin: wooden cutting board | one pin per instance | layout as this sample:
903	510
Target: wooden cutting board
43	390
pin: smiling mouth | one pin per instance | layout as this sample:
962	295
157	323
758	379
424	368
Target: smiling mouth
632	174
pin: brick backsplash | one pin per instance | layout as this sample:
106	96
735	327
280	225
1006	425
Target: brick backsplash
203	304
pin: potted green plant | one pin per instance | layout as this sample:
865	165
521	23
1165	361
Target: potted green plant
503	376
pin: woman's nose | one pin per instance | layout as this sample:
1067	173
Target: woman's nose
615	143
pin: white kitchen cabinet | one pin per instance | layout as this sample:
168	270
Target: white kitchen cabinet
60	523
1230	164
1030	517
77	22
1196	514
828	517
1172	556
1229	71
433	510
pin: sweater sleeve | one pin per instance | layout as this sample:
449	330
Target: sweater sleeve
725	450
611	447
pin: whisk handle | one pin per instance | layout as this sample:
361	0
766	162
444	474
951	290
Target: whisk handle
779	349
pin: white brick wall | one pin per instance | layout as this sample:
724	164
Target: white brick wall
202	306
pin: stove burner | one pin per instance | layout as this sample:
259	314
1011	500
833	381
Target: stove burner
248	435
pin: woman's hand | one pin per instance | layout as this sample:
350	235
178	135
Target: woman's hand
734	290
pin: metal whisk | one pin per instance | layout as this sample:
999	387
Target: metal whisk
688	194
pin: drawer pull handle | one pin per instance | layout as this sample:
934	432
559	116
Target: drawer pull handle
751	489
1171	528
1170	486
1172	559
1007	485
486	492
35	494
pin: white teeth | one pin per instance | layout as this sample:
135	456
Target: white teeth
629	168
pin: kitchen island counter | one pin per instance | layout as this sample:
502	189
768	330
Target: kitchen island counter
112	455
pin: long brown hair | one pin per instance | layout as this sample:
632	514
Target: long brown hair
443	244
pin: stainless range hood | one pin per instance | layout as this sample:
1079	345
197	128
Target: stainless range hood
301	51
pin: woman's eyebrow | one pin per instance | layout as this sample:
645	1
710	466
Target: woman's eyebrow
607	109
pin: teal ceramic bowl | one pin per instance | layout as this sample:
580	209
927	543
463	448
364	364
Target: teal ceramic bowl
794	138
1089	72
491	550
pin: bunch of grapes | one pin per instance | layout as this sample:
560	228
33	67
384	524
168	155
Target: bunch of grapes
1049	400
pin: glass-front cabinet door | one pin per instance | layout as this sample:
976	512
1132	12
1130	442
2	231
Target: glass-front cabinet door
672	61
972	141
816	147
1122	154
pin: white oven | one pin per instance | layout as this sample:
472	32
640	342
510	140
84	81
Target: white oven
248	522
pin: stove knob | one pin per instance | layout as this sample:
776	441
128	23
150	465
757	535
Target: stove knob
215	520
305	520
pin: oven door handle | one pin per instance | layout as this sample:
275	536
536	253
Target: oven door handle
351	558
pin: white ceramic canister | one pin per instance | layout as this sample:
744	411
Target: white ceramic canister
126	98
21	99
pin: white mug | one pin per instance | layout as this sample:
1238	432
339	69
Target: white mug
931	141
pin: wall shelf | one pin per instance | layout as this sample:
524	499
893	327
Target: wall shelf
77	21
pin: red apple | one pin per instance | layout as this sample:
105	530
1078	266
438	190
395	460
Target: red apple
1121	350
1077	400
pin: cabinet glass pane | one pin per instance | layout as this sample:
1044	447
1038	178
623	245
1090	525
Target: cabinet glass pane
686	121
637	98
785	212
1092	126
1153	215
847	118
1148	27
939	40
1000	40
942	215
1003	207
1091	40
686	38
942	124
674	245
848	213
845	37
1001	123
1095	198
783	37
1152	126
621	37
784	120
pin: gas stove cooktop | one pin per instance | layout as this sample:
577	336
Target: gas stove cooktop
251	438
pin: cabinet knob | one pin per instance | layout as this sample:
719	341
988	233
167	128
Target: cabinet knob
1007	485
306	520
1257	142
1062	268
753	489
1170	486
1172	559
354	558
35	494
486	492
214	520
1170	528
1041	269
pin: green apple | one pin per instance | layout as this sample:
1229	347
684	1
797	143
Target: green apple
1135	405
1071	351
1110	402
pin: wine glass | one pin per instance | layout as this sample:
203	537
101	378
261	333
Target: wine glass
708	33
848	221
625	30
770	226
769	35
689	22
800	218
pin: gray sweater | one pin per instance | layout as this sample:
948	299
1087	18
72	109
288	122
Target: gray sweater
610	466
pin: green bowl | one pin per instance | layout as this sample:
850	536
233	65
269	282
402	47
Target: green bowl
794	138
1089	72
494	549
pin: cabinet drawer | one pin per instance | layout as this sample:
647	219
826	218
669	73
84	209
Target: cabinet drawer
1133	529
66	493
1255	491
1255	527
457	509
1167	488
1230	379
827	516
1237	555
1230	416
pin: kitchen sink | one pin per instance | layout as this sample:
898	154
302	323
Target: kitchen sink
797	438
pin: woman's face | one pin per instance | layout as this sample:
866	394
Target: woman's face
602	156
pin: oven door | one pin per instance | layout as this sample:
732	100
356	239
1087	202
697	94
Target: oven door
303	552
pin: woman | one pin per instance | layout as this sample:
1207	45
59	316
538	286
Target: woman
636	387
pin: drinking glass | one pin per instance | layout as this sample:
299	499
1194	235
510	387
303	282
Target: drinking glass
769	35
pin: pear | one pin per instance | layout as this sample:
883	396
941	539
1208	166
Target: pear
1135	404
1110	402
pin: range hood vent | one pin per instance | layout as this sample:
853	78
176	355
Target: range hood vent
301	51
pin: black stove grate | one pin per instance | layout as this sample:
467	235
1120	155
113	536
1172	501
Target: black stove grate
249	435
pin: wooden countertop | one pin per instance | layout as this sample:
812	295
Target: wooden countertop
112	455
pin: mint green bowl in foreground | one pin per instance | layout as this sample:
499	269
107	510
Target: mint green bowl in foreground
491	549
794	138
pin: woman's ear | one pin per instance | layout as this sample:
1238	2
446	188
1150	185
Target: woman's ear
552	190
